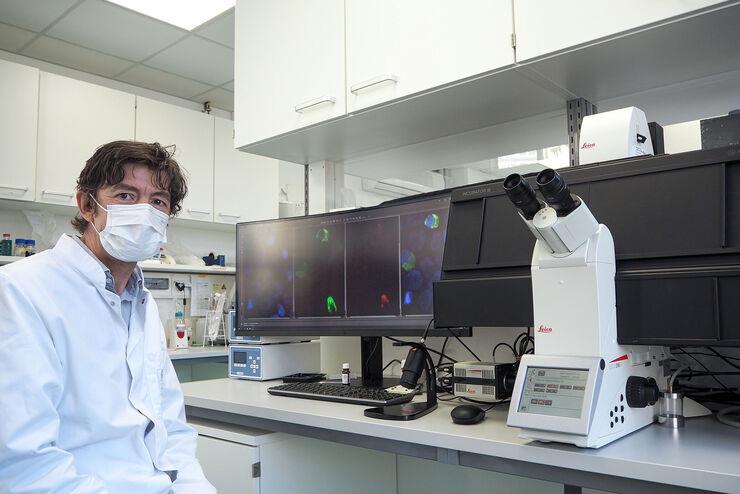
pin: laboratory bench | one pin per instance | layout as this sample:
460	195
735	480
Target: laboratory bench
701	457
196	363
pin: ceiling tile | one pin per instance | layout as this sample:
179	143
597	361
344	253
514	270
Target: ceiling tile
13	38
112	29
220	29
219	98
198	59
76	57
35	15
149	78
229	86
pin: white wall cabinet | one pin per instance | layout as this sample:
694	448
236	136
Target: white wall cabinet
74	119
19	88
191	133
289	66
547	27
395	49
246	185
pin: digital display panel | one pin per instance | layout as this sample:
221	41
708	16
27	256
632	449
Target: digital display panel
369	265
240	357
554	391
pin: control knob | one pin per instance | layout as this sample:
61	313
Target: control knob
641	391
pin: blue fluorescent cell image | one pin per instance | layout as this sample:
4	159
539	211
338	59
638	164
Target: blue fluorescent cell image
413	279
422	234
426	300
266	254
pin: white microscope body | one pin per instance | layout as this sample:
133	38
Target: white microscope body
575	388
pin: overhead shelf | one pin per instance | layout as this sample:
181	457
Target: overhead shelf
666	53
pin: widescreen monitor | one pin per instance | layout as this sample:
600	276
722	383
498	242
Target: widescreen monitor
366	272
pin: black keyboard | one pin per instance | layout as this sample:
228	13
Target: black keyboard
359	395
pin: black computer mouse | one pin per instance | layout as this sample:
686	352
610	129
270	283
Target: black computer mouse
467	414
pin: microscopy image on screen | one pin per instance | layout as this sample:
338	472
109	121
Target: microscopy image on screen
372	268
266	267
422	245
319	271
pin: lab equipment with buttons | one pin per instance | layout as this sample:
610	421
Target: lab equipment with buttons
265	362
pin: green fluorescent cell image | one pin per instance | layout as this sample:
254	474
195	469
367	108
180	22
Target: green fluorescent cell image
300	273
322	235
408	260
331	306
432	221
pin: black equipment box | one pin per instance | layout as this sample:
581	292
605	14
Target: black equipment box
676	226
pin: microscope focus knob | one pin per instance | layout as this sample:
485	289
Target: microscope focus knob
641	391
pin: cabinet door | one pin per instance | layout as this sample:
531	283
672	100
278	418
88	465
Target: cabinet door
191	132
246	185
546	27
289	66
19	87
75	118
396	48
228	465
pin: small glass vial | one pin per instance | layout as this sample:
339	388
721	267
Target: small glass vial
345	373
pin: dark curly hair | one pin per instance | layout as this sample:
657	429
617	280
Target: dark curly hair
105	168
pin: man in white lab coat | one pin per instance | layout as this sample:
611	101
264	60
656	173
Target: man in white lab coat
89	400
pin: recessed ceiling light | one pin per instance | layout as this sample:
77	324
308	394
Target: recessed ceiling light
187	14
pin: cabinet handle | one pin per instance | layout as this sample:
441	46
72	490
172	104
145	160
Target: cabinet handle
14	187
372	82
52	193
301	107
227	215
199	211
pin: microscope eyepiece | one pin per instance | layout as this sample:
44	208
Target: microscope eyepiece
522	195
556	192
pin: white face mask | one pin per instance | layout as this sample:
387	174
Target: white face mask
133	232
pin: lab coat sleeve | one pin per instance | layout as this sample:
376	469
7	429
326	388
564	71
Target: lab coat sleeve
181	438
31	386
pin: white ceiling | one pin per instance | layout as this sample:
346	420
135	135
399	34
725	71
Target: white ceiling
105	39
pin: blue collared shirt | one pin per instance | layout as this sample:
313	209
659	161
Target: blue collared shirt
133	286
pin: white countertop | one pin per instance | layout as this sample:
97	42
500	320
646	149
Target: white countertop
703	455
198	352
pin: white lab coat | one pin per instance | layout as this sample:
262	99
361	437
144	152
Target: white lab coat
87	405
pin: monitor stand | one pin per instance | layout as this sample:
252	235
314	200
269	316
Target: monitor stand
371	353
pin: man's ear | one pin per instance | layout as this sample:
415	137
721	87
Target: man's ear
84	204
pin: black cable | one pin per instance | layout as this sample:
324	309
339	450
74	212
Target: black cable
703	366
441	353
497	404
463	344
389	363
493	353
375	347
725	359
426	331
429	349
716	373
708	354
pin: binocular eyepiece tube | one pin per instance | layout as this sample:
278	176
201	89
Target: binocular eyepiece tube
553	188
556	192
522	195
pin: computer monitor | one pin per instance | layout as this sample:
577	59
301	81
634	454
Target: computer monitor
365	272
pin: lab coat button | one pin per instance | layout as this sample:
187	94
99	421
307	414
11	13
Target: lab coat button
112	304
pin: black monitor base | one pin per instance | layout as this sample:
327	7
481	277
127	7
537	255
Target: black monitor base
404	411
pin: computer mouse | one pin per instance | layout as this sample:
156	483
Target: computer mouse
467	414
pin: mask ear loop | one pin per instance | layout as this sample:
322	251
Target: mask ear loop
101	207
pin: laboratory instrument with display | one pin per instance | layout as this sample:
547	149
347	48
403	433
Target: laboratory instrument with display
580	386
